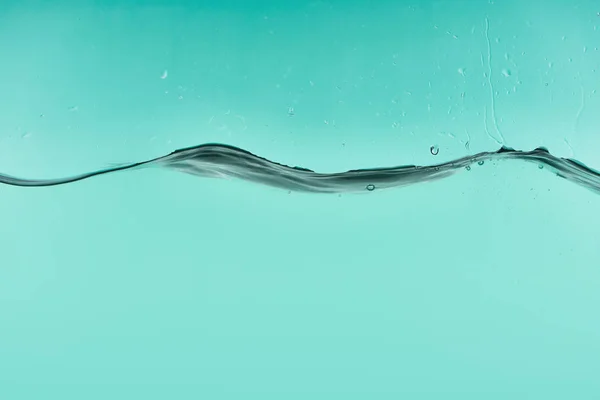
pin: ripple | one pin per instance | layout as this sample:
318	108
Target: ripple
225	161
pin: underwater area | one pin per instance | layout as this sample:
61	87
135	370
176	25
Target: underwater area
299	199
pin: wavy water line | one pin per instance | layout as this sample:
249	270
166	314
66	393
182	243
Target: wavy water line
225	161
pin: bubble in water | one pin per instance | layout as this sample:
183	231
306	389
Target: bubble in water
480	162
540	166
370	187
468	167
434	150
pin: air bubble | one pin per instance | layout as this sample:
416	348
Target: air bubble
540	166
468	167
480	162
434	150
370	187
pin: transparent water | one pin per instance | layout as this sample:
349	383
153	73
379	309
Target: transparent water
158	284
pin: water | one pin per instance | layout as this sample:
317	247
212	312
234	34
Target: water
155	283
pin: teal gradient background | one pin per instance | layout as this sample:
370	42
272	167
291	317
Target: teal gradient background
153	284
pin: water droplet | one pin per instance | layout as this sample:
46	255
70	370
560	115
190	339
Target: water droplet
468	167
370	187
480	162
434	150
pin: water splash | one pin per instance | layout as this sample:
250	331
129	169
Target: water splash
225	161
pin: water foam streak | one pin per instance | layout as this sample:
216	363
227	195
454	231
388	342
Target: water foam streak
225	161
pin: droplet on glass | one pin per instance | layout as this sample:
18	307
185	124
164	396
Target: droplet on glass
434	150
370	187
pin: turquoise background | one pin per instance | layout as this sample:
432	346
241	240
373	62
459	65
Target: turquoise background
153	284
